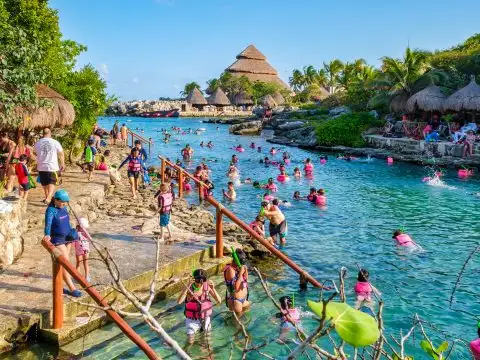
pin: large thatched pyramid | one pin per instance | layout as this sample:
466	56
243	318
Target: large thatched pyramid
253	64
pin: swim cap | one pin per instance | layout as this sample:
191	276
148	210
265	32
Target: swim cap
62	195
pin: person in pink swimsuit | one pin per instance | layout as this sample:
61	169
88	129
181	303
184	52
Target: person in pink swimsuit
363	290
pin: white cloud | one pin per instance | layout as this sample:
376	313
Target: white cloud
136	80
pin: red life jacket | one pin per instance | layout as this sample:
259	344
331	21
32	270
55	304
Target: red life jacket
199	307
22	175
134	164
167	202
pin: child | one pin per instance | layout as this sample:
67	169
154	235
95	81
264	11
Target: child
22	176
267	197
297	196
198	306
134	169
363	290
102	164
403	239
88	158
321	198
258	225
289	314
82	247
165	201
297	173
230	194
186	184
308	168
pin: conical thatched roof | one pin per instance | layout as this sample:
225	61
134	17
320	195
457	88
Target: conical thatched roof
399	103
196	98
279	99
467	98
218	97
57	112
268	101
253	64
242	99
429	99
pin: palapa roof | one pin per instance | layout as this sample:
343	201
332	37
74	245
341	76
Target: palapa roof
58	112
218	97
242	99
279	99
253	64
467	98
196	98
429	99
268	101
398	103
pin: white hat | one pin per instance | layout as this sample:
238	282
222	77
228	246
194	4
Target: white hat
83	222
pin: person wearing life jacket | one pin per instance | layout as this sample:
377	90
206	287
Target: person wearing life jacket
403	239
88	158
475	345
187	153
166	197
60	233
236	280
271	185
321	199
198	306
290	316
208	189
135	168
23	177
308	168
364	289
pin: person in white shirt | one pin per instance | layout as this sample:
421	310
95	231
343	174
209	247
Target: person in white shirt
49	152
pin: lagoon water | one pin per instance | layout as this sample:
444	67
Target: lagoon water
366	202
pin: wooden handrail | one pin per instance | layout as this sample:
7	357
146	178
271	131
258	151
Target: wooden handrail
221	210
141	138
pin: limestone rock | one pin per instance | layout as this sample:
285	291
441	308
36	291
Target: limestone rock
291	125
339	110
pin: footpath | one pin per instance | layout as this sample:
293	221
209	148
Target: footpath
125	226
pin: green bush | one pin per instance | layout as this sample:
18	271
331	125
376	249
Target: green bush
346	130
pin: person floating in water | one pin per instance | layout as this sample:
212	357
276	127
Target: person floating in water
290	316
403	239
297	196
363	290
198	306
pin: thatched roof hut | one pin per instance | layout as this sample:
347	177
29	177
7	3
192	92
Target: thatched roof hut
268	101
196	98
57	112
429	99
465	99
242	99
279	99
218	98
398	103
253	64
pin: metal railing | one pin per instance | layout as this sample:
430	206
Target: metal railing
221	211
134	135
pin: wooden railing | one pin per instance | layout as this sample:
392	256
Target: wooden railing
134	135
221	211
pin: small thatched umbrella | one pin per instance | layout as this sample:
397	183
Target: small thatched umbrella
399	103
242	99
279	99
269	102
465	99
429	99
196	99
218	98
56	112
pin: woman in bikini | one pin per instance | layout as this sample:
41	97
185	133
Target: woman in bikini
236	280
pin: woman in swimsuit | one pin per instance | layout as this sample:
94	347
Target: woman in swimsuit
236	280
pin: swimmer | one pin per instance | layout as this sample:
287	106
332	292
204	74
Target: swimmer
297	196
187	152
297	173
321	199
198	174
234	159
271	185
290	316
259	149
312	197
208	189
267	161
403	239
230	194
323	160
256	184
308	168
210	144
202	144
363	290
267	197
232	171
273	151
252	145
258	225
278	222
247	181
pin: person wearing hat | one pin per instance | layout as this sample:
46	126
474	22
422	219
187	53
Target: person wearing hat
475	344
60	233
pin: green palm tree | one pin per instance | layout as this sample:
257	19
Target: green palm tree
189	88
332	72
212	85
297	80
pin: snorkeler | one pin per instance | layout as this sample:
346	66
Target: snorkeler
236	280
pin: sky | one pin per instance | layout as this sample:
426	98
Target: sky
146	49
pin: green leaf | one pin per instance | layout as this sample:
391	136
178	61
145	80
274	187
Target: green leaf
355	327
443	346
428	349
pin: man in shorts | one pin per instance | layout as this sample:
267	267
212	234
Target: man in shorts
49	152
278	222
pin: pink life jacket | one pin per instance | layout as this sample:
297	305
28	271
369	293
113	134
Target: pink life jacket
294	315
167	202
363	288
475	347
271	187
102	166
135	164
308	168
253	225
187	187
199	307
404	240
321	200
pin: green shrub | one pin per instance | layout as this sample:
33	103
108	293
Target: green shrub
346	130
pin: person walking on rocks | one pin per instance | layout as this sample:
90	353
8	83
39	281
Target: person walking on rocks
165	201
49	152
135	168
59	232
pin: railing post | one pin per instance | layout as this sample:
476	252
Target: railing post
57	294
200	192
162	171
219	233
180	183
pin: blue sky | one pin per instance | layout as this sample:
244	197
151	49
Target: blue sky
150	48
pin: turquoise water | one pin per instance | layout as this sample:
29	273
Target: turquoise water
366	202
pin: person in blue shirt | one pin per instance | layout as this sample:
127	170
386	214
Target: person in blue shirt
141	151
61	234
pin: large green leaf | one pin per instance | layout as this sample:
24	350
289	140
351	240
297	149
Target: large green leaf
443	346
353	326
428	349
